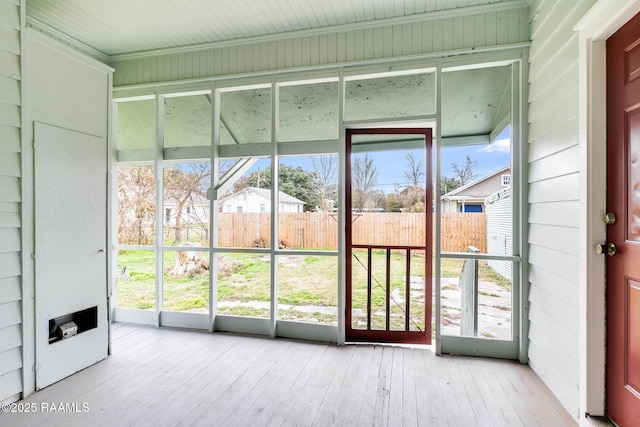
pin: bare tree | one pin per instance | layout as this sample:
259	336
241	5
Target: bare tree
364	176
136	204
325	169
413	196
181	184
464	174
415	171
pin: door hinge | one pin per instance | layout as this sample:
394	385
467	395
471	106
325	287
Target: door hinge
37	367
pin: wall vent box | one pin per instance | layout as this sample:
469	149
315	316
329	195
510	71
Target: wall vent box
67	330
69	325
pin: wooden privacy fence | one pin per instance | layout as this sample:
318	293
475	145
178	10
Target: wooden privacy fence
315	230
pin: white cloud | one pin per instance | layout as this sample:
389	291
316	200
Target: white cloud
499	146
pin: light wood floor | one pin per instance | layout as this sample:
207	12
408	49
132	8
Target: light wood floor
166	377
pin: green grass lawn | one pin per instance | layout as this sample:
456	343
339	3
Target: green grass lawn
307	286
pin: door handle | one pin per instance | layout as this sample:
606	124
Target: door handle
608	248
610	218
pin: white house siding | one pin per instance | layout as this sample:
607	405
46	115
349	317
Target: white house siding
499	25
500	230
10	199
553	196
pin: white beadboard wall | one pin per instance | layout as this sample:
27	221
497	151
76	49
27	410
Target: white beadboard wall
553	196
494	28
10	199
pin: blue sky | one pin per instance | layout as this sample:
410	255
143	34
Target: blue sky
391	165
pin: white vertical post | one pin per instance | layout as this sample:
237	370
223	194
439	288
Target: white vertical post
341	211
112	209
214	215
520	224
158	173
275	111
438	208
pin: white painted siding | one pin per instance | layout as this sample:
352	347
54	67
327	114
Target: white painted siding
10	199
465	32
553	196
500	230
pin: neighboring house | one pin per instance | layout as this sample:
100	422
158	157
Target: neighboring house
471	197
253	199
195	211
498	208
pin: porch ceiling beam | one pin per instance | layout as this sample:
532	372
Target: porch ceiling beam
233	175
459	140
499	127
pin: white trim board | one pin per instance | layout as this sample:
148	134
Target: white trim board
66	50
602	20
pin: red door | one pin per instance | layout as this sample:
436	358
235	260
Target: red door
623	199
388	253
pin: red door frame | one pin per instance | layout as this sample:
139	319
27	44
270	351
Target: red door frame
623	199
388	335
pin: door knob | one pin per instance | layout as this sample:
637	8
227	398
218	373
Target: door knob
610	218
608	248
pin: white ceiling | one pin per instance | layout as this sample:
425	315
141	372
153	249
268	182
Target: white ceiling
126	26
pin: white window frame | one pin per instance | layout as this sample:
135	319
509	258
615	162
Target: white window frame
516	56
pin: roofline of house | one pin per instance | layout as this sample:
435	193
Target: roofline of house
295	201
464	198
477	181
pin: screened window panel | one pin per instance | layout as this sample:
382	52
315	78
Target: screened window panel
309	112
187	121
390	97
245	116
136	125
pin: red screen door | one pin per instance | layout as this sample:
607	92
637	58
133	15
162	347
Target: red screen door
388	235
623	199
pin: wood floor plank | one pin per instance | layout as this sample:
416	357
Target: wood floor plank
492	404
396	387
328	411
308	402
409	395
474	396
208	382
170	377
193	380
501	402
381	411
366	414
273	404
243	389
351	395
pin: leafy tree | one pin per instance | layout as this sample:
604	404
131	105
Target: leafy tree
293	181
448	184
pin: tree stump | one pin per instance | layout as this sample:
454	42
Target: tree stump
189	263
